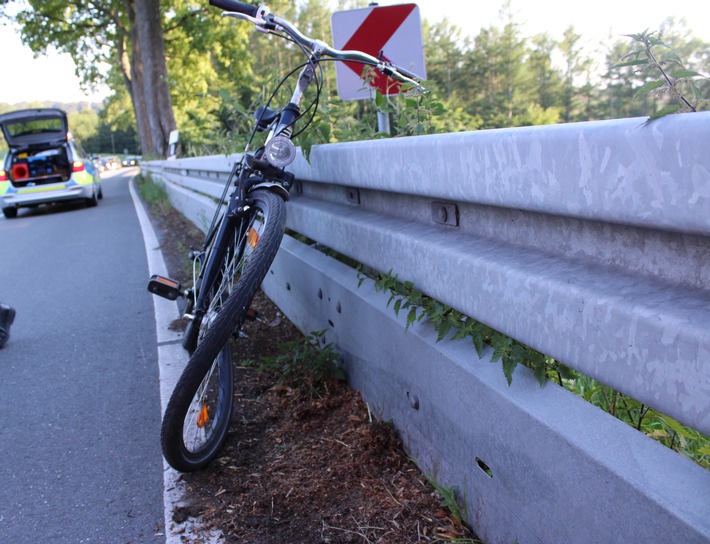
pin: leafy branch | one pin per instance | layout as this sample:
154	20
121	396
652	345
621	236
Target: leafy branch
448	321
673	75
452	324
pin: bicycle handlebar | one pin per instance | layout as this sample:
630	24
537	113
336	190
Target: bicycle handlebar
267	22
236	7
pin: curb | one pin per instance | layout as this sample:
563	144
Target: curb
171	361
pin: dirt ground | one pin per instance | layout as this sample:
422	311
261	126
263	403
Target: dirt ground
303	464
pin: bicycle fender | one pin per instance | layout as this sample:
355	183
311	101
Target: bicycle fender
272	186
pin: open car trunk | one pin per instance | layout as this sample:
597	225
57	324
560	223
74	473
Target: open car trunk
31	168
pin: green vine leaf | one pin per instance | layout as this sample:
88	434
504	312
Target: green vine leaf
509	365
671	108
442	330
411	318
684	72
631	63
649	87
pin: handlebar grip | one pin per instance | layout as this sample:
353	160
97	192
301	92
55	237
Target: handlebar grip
236	6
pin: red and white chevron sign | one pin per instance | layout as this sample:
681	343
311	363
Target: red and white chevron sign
395	32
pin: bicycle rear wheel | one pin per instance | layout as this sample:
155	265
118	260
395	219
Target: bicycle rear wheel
197	417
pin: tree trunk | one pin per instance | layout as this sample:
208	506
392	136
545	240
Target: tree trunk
149	54
132	70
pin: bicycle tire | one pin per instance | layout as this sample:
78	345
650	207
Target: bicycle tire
187	407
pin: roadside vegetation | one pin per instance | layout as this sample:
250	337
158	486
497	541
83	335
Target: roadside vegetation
304	461
496	78
452	325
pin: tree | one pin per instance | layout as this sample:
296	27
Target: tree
546	78
123	34
444	50
576	66
150	61
497	85
83	124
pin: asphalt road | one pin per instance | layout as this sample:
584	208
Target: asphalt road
80	458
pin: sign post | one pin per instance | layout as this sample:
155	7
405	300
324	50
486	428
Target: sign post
391	33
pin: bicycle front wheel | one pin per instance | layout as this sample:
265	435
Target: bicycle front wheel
197	417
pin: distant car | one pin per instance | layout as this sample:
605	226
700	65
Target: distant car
130	160
111	163
44	164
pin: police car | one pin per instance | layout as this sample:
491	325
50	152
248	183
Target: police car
44	165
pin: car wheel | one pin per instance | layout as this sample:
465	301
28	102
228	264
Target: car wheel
93	201
9	213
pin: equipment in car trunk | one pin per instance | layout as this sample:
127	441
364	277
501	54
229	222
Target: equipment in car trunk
41	168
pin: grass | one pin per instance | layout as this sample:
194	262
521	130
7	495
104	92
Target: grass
154	194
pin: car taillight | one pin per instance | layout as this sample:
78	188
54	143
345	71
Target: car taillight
77	166
3	175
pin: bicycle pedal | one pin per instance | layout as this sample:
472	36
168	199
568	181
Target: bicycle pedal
251	315
164	287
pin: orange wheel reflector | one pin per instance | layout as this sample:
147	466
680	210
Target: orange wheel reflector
253	238
203	417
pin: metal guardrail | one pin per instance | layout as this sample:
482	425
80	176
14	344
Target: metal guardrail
589	242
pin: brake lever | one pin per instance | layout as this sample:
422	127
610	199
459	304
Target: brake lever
404	76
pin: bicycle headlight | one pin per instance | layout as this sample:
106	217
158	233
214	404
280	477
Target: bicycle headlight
280	151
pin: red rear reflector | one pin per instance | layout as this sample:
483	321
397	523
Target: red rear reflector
77	166
3	175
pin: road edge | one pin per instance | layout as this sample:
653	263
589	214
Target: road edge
171	360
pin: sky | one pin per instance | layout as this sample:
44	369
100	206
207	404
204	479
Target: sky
52	77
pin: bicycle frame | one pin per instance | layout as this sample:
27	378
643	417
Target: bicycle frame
251	173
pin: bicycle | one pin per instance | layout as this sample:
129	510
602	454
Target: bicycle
239	247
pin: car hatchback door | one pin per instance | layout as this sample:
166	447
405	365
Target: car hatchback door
36	128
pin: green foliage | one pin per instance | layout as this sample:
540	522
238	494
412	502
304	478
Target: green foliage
453	325
666	75
154	194
666	430
448	321
306	362
83	124
219	69
210	64
449	500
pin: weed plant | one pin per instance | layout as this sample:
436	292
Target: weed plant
669	77
306	361
154	194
